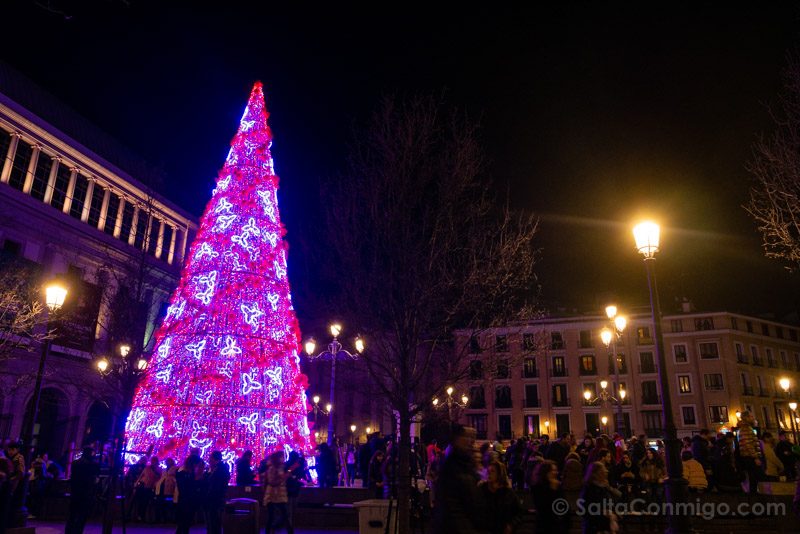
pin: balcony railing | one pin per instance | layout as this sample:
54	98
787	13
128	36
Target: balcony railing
588	372
502	404
532	403
623	369
763	392
560	402
530	373
653	399
742	358
747	390
559	372
649	368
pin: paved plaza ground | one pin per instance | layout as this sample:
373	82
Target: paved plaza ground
51	527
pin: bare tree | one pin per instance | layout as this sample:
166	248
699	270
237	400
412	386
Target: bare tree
419	247
22	318
774	201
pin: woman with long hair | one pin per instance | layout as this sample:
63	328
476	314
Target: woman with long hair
546	489
596	493
503	507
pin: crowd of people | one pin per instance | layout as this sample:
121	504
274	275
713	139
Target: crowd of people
469	488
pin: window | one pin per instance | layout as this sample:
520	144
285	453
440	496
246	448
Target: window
709	350
704	323
718	414
19	169
475	370
747	389
111	214
587	365
793	335
585	339
755	355
12	248
79	197
559	368
771	361
562	424
646	362
478	422
734	323
713	382
127	221
556	341
676	325
529	368
684	384
643	336
502	371
688	415
531	396
528	342
652	423
762	391
779	332
477	399
764	329
679	351
593	423
749	325
504	426
155	228
650	392
474	344
501	343
41	175
60	187
741	357
531	425
5	143
784	359
560	395
623	367
765	422
502	397
97	205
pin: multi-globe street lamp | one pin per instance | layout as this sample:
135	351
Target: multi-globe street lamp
647	236
55	295
334	352
449	401
610	337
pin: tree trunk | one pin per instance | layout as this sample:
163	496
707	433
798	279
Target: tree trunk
404	474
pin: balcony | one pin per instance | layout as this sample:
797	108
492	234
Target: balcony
772	363
644	340
742	358
649	368
747	390
758	361
763	392
559	372
588	372
560	403
651	399
532	403
623	369
530	373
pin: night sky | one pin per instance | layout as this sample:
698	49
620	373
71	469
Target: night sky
590	117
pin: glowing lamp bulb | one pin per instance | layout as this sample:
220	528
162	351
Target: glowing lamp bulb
611	311
124	350
603	384
368	430
315	398
793	406
336	329
622	394
310	346
352	428
785	383
450	390
102	365
647	236
605	336
620	322
328	407
604	420
141	364
464	399
435	402
738	414
547	423
359	345
587	394
55	294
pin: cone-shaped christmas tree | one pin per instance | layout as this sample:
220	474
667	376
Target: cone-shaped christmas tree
225	372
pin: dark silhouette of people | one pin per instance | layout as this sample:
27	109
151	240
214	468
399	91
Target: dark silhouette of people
83	482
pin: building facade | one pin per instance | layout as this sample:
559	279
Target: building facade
531	379
69	210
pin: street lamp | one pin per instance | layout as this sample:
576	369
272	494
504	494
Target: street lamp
647	237
793	417
610	338
54	296
334	352
450	402
604	420
785	384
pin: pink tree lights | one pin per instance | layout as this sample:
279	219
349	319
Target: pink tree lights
225	372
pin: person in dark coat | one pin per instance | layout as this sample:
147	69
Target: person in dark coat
558	450
82	484
244	470
503	507
546	489
217	479
786	455
596	492
189	480
326	466
459	508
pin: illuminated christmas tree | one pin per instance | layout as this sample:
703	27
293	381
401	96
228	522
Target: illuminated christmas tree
225	372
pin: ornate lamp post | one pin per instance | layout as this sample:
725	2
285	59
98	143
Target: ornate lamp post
610	337
334	352
450	402
55	294
604	396
647	235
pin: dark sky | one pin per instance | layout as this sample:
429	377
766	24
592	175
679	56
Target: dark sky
591	116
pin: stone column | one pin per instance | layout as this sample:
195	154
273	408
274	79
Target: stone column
26	188
134	223
51	180
87	202
101	223
160	244
5	166
171	255
118	221
73	177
